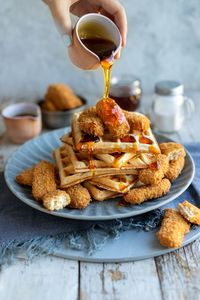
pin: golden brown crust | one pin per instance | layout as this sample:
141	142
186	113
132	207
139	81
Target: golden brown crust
190	212
172	150
144	193
56	200
79	195
173	229
113	117
154	176
137	121
90	123
61	97
25	177
43	179
175	168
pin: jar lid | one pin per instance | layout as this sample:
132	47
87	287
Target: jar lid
168	87
126	80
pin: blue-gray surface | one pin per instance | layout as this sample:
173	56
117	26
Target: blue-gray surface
37	233
163	42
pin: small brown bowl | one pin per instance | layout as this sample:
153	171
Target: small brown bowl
59	119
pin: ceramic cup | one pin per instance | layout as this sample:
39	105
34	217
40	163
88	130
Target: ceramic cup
22	121
79	54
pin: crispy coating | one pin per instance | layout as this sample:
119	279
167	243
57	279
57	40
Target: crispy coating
172	150
154	176
113	117
79	195
90	123
137	121
43	179
56	200
62	97
175	168
47	105
173	229
190	212
144	193
25	177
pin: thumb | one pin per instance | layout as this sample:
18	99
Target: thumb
61	15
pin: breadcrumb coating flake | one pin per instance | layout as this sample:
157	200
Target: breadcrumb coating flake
175	168
173	229
137	121
90	123
56	200
79	195
144	193
190	212
25	177
43	179
172	150
113	117
154	176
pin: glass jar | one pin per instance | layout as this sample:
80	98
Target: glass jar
126	91
170	108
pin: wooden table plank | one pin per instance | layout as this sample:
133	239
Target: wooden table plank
47	278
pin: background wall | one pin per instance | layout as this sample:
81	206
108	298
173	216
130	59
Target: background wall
163	42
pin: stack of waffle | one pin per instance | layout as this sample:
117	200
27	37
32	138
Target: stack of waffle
107	165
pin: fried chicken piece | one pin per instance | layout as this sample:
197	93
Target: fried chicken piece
113	117
173	229
155	175
175	168
62	97
43	179
49	106
79	195
25	177
56	200
144	193
172	150
137	121
190	212
90	123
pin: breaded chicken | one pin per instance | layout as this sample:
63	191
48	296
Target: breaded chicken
137	121
175	168
62	97
43	179
56	200
144	193
173	229
172	150
25	177
190	212
49	106
113	117
79	195
155	175
90	123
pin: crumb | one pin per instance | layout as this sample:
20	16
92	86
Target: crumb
56	200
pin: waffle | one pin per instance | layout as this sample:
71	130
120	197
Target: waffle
116	183
82	162
100	194
69	177
134	142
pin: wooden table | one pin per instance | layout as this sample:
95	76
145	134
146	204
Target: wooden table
171	276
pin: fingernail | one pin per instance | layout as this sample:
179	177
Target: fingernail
66	40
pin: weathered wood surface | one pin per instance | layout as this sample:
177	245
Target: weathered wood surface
171	276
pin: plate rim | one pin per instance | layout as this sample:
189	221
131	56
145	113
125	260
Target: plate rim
83	217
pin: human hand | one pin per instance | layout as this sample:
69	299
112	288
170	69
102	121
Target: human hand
61	10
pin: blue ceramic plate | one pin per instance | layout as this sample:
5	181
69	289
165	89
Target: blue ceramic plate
41	148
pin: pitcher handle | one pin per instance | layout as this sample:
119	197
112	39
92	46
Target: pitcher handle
189	107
